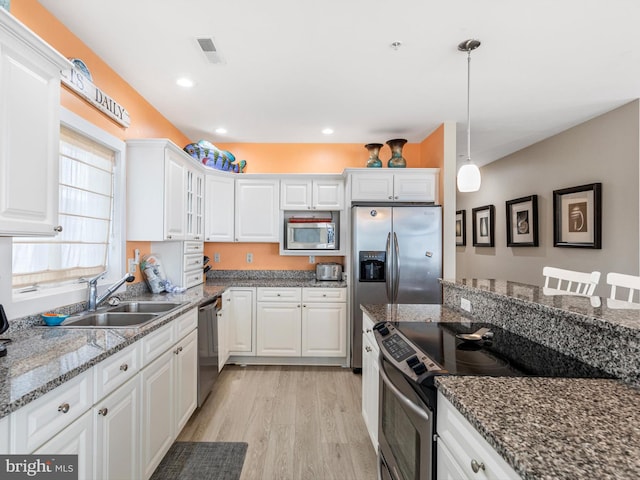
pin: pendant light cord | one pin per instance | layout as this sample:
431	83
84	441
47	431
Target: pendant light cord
469	106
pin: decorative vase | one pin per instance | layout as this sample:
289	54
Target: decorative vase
396	160
374	149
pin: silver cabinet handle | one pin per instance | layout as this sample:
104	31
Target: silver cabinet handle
124	367
103	411
367	348
368	330
476	467
57	228
178	350
64	408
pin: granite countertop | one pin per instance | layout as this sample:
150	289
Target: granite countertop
545	428
552	428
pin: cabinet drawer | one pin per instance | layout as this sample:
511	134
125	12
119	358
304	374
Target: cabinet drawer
466	445
324	294
191	279
115	370
186	323
193	262
157	343
279	294
38	421
193	247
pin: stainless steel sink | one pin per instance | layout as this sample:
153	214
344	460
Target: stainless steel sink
146	307
110	320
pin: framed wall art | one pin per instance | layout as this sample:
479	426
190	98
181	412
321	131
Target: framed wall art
483	226
522	222
461	228
577	216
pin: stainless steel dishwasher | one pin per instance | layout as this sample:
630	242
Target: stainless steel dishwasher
207	346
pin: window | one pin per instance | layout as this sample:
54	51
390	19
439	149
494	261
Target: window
46	270
86	188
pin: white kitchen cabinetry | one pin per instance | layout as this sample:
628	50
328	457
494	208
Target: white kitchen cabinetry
462	452
29	130
224	316
257	210
76	439
410	185
182	262
242	320
312	194
117	432
165	192
278	322
169	386
219	211
4	435
324	322
370	379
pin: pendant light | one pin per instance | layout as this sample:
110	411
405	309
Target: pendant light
468	179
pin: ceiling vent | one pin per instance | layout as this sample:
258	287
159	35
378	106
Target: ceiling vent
209	49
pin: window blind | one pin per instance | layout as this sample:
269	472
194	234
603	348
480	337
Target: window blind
86	186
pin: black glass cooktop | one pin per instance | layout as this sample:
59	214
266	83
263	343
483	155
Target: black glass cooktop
500	353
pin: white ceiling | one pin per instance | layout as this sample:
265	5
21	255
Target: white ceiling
293	67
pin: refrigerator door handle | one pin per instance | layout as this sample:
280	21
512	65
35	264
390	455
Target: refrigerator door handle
396	267
388	270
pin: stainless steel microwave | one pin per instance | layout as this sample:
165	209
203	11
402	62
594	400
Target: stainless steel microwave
311	235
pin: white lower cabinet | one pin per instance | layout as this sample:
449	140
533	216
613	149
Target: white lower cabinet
157	411
118	419
370	379
224	315
76	439
462	452
279	329
117	433
242	318
324	329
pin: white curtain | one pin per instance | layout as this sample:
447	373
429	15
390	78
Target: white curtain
85	213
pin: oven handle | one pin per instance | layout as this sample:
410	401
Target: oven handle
408	403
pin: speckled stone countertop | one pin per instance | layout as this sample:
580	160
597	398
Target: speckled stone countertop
554	428
41	358
545	428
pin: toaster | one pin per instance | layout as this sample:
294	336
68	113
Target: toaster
329	272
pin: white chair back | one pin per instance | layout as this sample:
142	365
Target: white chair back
630	282
570	282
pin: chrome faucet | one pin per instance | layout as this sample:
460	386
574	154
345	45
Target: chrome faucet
94	300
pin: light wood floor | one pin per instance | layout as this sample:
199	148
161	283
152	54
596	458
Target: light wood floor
299	422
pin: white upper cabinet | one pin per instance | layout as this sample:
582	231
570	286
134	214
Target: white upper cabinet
306	193
165	192
219	210
29	130
385	185
256	210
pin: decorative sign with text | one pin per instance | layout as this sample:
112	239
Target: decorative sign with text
78	83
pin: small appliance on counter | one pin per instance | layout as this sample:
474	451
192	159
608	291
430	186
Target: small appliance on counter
328	272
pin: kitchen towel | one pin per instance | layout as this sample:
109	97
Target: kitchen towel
202	460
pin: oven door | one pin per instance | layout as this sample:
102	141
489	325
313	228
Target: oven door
405	429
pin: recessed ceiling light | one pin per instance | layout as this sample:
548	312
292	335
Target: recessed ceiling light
221	130
185	82
327	131
396	45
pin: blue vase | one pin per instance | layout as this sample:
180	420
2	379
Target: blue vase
374	150
396	160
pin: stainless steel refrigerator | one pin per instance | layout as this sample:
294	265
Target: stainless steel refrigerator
397	258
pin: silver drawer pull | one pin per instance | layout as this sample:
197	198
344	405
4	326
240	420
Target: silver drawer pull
57	229
103	411
124	367
368	330
476	467
178	350
64	408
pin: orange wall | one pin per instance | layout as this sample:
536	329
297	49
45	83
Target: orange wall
147	122
432	154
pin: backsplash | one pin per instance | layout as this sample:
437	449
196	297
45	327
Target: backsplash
260	274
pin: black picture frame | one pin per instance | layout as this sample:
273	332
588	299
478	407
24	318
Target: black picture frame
577	216
483	226
522	221
461	228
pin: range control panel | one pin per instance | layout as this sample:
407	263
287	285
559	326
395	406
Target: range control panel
402	353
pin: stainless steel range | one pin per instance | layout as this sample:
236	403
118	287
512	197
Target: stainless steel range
413	354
